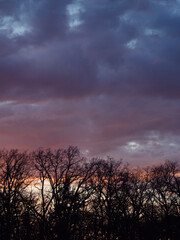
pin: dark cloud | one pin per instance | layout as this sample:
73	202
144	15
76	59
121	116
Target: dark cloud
103	75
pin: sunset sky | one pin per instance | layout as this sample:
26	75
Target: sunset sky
103	75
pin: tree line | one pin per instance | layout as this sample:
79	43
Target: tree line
57	194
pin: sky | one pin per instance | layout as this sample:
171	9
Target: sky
102	75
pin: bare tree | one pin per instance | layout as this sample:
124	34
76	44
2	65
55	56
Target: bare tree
165	187
64	191
59	195
108	202
14	180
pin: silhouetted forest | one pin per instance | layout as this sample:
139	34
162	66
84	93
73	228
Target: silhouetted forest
57	194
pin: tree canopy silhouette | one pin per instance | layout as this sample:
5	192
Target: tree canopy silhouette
57	194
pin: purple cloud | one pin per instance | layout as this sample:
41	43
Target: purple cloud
103	75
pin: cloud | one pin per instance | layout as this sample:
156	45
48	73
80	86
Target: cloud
126	43
98	74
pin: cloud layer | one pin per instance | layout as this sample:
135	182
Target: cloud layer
103	75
